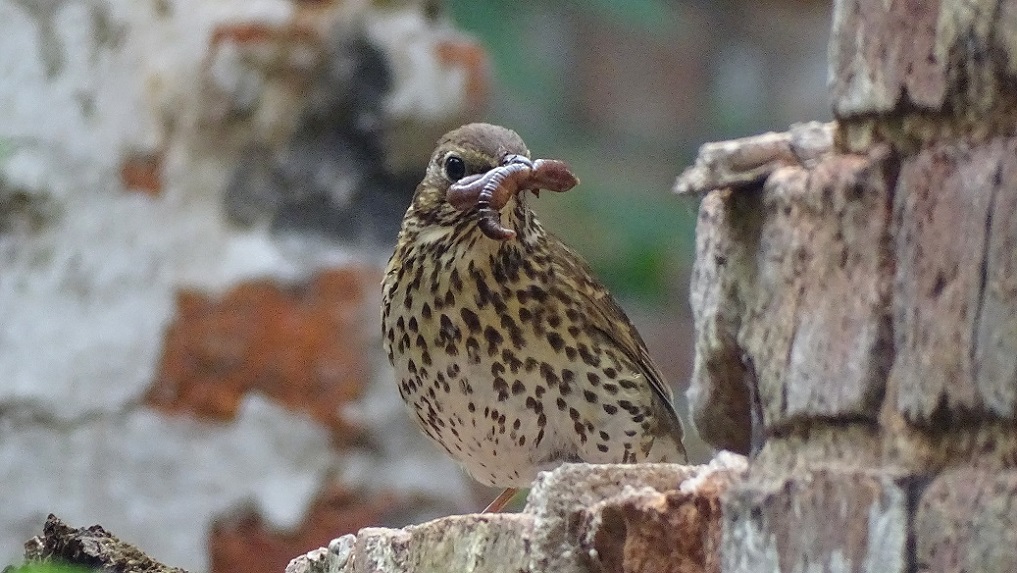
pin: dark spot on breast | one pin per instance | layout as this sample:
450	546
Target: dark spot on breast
590	396
610	372
513	362
610	409
515	333
588	357
548	373
562	406
470	319
556	341
501	387
538	293
473	350
494	340
524	296
602	448
425	311
610	388
628	384
581	430
518	388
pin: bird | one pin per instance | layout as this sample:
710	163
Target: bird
508	352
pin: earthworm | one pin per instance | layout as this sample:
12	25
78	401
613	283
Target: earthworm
491	191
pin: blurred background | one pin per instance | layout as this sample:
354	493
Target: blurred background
197	197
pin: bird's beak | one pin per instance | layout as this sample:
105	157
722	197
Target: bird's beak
512	159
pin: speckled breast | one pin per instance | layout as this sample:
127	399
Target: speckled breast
494	363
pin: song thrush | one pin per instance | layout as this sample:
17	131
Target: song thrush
509	353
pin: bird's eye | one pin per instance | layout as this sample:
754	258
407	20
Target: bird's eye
455	167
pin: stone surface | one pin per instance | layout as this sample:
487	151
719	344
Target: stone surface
819	521
951	292
650	531
884	54
966	520
826	241
578	518
497	543
560	499
752	159
723	389
953	57
87	548
769	261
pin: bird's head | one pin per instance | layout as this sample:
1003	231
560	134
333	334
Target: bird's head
472	149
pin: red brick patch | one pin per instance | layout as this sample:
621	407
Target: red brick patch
142	172
471	56
244	543
303	346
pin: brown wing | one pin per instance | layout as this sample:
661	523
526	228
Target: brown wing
611	322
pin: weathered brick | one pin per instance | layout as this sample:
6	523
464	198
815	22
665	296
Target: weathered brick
652	531
966	521
955	302
881	50
560	500
495	543
817	521
792	282
719	393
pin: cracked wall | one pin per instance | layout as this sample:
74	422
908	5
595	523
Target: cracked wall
192	199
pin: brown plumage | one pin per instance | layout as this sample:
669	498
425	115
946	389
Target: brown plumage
508	352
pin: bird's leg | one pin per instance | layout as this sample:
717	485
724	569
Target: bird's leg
501	501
